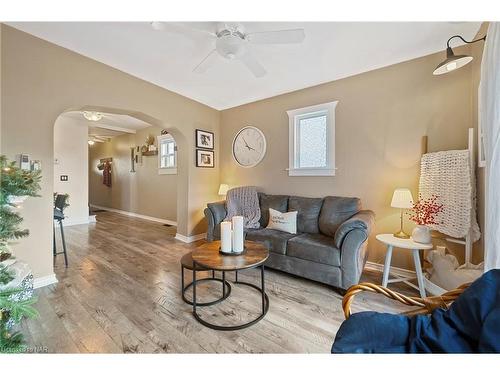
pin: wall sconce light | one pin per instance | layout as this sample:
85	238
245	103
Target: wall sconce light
454	62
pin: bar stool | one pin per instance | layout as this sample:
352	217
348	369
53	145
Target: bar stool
187	263
59	205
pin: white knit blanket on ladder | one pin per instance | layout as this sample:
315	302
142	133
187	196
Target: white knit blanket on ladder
448	175
244	201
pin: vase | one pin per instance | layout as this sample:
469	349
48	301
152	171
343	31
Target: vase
421	234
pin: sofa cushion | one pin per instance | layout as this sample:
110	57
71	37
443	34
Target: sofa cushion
276	202
315	248
274	240
335	211
309	209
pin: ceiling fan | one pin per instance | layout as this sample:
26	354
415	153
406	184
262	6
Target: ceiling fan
231	42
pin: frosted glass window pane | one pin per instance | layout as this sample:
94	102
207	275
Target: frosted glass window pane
163	162
312	142
163	149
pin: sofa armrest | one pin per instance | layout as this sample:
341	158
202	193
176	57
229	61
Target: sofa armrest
215	214
352	240
363	221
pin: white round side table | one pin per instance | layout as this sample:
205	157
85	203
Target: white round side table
407	244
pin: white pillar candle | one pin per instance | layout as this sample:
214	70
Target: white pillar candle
225	237
237	234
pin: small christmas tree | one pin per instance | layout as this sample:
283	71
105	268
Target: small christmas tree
16	185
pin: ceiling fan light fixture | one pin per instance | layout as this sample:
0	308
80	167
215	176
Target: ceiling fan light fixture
158	26
230	45
92	116
91	142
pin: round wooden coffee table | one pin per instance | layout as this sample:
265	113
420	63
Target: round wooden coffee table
207	256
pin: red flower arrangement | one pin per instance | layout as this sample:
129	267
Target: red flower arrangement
426	210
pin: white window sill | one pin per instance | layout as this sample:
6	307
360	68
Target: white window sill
311	172
167	170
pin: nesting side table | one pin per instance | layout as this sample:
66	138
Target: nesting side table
407	244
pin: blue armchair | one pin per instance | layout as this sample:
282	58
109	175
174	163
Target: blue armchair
471	324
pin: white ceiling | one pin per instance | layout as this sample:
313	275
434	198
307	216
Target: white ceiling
331	50
111	125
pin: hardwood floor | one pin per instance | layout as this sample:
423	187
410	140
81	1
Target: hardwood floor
121	294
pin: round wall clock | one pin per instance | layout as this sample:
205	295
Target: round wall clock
249	146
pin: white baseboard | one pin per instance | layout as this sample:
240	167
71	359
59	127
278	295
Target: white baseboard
40	282
133	214
189	239
69	221
401	272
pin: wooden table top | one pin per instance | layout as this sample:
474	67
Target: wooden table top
208	256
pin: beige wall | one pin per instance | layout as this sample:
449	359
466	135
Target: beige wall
41	80
144	192
381	117
71	159
380	120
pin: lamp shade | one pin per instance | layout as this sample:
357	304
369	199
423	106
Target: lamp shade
223	188
402	198
452	62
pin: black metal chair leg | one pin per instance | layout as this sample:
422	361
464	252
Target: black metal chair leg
64	244
54	250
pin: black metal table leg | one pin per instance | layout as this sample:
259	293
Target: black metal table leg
263	289
223	283
265	307
194	288
184	288
182	280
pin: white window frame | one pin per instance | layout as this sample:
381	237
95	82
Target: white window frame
294	117
166	138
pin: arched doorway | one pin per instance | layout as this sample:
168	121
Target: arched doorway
141	185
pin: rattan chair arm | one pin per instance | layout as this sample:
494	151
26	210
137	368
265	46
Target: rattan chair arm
425	305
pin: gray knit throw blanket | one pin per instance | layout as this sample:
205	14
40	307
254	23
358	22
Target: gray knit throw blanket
244	201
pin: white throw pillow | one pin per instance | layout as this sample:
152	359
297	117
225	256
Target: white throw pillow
283	221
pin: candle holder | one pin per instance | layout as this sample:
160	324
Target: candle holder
232	253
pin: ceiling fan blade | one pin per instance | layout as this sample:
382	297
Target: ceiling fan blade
192	29
206	63
277	37
253	65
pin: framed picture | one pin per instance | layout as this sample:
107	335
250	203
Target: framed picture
204	139
205	159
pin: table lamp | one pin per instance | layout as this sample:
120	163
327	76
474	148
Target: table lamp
223	188
402	199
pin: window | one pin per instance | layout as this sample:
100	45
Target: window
167	155
312	140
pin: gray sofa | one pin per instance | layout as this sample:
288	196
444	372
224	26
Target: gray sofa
331	243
